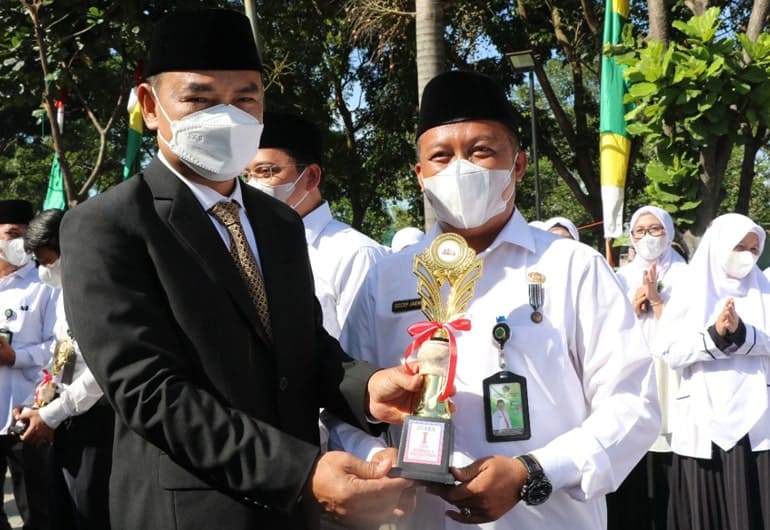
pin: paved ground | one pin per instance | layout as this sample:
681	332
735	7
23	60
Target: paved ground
9	505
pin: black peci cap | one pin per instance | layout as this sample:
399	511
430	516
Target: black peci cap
464	96
294	133
16	211
204	39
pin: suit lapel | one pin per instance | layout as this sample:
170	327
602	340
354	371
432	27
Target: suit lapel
175	203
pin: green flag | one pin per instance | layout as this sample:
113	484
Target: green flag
614	143
55	197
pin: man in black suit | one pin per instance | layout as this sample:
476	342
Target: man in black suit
217	400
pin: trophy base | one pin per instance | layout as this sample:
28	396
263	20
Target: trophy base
423	476
426	445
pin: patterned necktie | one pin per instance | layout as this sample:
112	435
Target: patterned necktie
227	214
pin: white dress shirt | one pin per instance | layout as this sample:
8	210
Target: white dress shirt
592	396
28	310
82	393
340	257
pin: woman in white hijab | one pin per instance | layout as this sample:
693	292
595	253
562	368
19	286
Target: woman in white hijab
648	280
716	335
561	226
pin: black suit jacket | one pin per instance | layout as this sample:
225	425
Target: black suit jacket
216	427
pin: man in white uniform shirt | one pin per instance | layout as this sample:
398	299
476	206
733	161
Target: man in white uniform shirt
592	406
27	316
288	167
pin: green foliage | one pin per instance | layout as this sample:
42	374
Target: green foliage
688	97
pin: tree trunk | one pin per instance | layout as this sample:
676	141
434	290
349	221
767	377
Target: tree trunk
698	7
758	18
658	19
713	161
752	146
429	37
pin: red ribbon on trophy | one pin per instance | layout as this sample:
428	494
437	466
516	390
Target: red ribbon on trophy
424	331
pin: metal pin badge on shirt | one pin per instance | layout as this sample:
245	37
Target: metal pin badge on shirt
535	282
8	314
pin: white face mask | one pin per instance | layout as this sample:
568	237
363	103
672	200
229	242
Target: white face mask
216	142
650	247
282	192
739	263
12	251
50	274
464	195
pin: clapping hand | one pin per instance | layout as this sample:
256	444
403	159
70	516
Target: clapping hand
728	319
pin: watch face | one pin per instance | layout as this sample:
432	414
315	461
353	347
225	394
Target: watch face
537	492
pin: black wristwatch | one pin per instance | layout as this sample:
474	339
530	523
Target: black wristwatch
537	489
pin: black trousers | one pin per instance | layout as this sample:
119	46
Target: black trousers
4	525
32	487
641	502
81	464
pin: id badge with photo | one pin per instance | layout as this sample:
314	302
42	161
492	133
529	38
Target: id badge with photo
506	410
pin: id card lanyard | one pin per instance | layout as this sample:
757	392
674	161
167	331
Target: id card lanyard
506	409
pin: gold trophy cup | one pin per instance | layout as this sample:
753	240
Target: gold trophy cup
448	267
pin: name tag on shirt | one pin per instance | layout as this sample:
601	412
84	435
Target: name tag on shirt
402	306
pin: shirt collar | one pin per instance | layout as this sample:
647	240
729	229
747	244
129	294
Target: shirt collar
515	232
206	196
316	221
22	272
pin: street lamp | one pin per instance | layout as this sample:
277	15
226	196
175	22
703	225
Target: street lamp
524	61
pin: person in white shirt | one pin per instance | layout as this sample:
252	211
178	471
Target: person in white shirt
79	421
592	400
648	280
717	335
27	315
288	167
405	237
500	421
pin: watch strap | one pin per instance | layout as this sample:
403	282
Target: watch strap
534	469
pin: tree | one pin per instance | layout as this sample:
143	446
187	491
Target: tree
695	100
50	50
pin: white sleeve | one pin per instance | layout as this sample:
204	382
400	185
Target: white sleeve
76	399
619	387
39	354
687	348
345	437
351	277
356	340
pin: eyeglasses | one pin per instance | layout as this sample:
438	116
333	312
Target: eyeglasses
654	231
266	171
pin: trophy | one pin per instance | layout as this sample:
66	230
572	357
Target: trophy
448	267
63	363
48	390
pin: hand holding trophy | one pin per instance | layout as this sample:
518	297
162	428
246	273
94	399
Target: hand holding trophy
448	267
